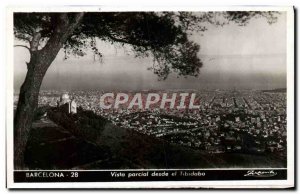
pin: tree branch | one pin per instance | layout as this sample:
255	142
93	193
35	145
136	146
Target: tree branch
124	41
19	45
65	26
117	39
34	43
22	37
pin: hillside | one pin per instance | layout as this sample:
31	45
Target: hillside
52	146
277	90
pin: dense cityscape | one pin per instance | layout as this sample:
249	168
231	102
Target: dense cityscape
245	121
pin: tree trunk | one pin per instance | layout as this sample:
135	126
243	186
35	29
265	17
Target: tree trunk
27	104
37	67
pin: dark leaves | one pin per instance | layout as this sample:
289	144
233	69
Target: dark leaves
161	35
243	17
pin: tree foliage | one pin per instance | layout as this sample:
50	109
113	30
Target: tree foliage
164	36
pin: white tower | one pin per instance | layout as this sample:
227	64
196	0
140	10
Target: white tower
72	107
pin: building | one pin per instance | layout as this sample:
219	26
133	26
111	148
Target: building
67	104
64	98
72	107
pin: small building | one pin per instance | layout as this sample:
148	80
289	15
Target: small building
72	107
67	104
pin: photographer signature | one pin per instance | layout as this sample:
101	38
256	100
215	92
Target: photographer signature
259	173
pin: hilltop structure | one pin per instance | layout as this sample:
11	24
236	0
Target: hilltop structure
67	104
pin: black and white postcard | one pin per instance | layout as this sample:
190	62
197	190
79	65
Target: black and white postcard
160	97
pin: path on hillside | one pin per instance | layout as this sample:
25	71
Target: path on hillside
53	147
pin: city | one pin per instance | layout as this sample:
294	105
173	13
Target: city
244	121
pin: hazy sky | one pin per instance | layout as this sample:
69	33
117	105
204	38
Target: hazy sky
248	57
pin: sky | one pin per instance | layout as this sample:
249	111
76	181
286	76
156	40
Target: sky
234	57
